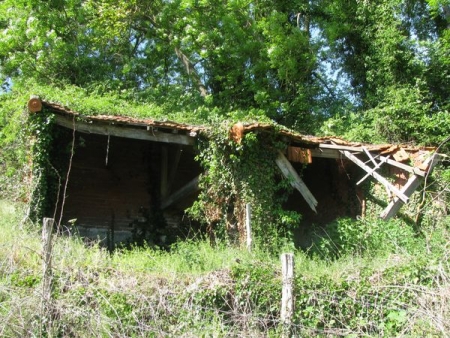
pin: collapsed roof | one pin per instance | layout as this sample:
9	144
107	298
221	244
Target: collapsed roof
417	161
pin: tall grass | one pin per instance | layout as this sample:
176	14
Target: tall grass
399	287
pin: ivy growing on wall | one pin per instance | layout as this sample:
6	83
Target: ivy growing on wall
50	165
237	174
41	130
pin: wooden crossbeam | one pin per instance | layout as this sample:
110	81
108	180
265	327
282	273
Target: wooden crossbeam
413	182
291	174
377	166
126	132
375	175
369	155
333	151
338	147
411	170
326	153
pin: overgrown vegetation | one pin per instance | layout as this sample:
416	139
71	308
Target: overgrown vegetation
372	288
366	71
231	181
373	71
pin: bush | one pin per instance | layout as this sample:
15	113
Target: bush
348	236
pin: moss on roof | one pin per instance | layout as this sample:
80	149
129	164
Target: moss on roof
85	102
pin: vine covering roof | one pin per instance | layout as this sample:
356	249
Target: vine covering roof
400	152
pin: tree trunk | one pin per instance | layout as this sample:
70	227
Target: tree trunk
191	71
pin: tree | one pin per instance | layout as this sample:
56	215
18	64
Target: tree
300	63
397	65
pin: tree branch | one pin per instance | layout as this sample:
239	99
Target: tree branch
191	71
188	65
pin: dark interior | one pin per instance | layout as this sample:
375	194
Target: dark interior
114	185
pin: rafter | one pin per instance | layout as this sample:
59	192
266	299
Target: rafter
377	176
410	186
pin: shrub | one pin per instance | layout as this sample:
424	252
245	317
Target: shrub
348	236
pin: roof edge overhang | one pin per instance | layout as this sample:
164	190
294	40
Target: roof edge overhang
119	126
185	134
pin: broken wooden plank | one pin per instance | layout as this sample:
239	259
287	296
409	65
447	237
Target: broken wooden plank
291	174
185	191
338	147
411	170
410	186
133	133
400	155
377	166
369	155
396	163
336	154
375	175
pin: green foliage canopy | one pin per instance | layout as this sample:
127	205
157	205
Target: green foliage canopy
298	63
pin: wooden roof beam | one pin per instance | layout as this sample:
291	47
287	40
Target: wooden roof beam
410	186
126	132
377	176
291	174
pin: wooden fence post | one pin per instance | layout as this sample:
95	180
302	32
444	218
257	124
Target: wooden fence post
47	230
287	299
248	225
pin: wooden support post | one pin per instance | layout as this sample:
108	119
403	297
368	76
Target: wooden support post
47	231
174	167
287	298
410	186
248	225
111	237
164	171
289	172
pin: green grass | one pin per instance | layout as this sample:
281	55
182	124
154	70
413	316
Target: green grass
198	290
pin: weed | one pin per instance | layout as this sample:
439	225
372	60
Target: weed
388	283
